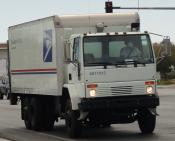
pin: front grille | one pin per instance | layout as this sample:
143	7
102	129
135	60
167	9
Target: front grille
120	90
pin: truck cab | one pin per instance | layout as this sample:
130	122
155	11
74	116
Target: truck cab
112	60
111	78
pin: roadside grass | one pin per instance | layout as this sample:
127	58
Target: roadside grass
166	82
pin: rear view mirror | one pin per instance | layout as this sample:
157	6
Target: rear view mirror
67	52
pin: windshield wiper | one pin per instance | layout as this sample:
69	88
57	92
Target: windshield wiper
120	62
136	62
143	62
130	61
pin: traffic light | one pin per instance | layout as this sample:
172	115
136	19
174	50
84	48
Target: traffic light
108	7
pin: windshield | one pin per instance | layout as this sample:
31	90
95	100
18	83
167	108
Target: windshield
117	49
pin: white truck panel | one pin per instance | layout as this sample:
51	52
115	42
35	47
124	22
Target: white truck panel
76	92
120	74
33	67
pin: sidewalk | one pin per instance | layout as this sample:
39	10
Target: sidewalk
4	139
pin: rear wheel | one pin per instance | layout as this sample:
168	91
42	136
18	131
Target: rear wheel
1	95
146	121
73	125
36	114
48	121
25	113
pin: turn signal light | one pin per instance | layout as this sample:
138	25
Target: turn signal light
149	83
91	86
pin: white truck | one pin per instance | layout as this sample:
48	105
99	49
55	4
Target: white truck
91	70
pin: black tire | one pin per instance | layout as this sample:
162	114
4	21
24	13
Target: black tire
26	113
95	124
8	96
13	99
48	121
73	125
36	114
1	96
146	121
106	125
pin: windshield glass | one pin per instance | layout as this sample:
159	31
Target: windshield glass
117	49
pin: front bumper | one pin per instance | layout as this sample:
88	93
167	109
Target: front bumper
124	102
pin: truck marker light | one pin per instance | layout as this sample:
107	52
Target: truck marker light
92	86
149	83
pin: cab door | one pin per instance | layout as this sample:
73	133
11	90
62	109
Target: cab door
74	69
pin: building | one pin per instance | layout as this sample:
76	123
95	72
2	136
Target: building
3	51
3	59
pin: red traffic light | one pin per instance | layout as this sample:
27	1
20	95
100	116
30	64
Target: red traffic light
108	6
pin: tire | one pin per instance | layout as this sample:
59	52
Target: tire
8	96
36	114
13	99
48	121
73	125
1	96
106	125
100	125
26	114
28	124
146	121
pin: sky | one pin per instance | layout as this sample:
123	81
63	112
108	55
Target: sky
13	12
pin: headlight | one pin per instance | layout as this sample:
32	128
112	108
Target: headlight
92	93
149	89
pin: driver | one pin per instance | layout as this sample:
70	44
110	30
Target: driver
130	51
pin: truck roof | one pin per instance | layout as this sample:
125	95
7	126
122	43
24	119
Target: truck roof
115	33
90	20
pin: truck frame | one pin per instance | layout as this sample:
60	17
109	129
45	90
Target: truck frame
78	68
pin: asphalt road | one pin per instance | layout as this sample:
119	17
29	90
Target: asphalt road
12	127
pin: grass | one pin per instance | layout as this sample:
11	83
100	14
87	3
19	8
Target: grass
166	82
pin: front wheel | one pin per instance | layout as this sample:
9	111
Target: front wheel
146	121
73	125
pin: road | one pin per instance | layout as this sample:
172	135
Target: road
12	127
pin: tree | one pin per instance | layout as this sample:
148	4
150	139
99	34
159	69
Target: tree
164	65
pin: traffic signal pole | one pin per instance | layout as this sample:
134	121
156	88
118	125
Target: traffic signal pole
109	7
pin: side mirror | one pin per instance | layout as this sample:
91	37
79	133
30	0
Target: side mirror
67	55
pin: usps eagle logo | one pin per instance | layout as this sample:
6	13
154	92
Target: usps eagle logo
47	46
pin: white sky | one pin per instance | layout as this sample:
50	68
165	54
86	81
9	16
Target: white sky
18	11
